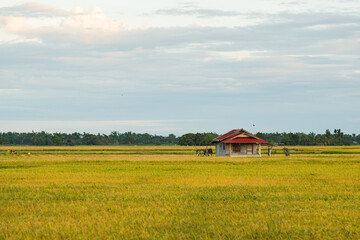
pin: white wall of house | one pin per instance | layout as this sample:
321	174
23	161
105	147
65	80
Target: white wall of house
220	150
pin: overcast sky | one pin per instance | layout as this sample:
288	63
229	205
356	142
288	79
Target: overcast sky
180	66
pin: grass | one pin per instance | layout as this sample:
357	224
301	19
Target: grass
143	150
159	150
178	196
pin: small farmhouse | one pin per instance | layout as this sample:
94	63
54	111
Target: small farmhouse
238	143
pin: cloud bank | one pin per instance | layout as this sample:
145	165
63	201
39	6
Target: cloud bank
80	65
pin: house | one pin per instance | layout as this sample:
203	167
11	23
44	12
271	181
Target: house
238	143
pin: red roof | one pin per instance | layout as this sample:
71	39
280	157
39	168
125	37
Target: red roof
244	140
234	137
227	135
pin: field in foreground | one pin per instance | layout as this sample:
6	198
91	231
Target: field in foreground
163	196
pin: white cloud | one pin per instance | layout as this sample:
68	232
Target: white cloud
94	20
289	31
77	25
35	10
87	65
9	91
196	11
15	25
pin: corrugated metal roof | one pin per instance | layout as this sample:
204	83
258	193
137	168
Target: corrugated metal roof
227	135
232	137
244	140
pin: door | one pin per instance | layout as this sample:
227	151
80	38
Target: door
249	149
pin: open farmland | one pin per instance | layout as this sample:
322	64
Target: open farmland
169	193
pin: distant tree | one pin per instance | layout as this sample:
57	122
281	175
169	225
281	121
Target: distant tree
57	140
357	139
197	139
328	137
285	139
191	139
89	139
209	137
129	138
187	139
172	139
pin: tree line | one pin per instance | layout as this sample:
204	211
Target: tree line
337	138
189	139
72	139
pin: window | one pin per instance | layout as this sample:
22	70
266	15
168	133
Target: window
236	147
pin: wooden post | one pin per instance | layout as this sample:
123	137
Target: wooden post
260	149
269	150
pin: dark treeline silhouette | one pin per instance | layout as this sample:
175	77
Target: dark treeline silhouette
189	139
72	139
337	138
197	139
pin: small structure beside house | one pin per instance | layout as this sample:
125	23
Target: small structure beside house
238	143
206	152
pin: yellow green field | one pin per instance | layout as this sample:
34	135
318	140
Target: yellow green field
169	193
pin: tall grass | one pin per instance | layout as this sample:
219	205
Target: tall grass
90	196
157	150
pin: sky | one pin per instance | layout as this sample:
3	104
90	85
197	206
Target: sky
166	67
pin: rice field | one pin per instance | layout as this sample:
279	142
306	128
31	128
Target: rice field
150	192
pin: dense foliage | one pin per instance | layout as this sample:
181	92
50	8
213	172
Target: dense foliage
72	139
197	139
338	138
189	139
